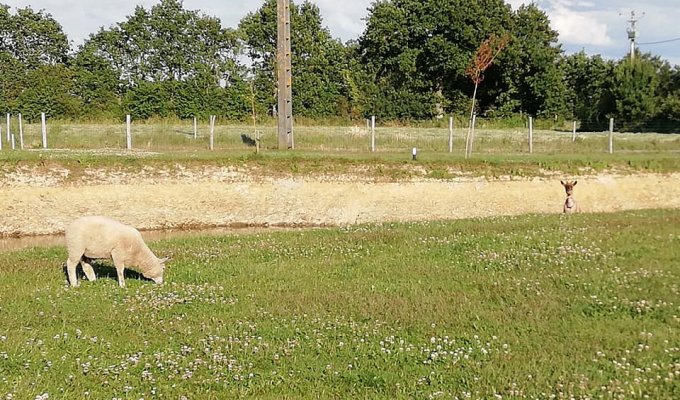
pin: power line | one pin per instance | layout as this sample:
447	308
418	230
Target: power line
659	42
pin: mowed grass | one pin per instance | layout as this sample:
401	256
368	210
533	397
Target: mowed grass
337	150
178	135
538	306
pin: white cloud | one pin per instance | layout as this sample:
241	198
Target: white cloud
345	19
579	27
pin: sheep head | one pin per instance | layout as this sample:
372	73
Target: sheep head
155	273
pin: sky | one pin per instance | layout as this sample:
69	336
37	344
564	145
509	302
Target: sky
595	26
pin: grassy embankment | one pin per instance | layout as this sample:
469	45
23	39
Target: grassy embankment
522	307
345	149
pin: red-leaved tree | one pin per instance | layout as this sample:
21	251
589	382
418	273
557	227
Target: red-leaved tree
484	57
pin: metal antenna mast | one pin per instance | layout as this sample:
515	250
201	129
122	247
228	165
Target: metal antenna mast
284	75
632	33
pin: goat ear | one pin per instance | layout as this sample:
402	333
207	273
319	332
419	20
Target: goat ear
164	260
562	182
575	182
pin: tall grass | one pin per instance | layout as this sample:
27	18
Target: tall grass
514	307
177	135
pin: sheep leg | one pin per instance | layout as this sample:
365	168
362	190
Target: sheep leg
87	268
120	268
71	270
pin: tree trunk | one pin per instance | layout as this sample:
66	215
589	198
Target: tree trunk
470	134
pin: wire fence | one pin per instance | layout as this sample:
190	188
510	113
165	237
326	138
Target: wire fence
163	136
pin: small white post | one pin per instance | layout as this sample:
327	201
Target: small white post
450	134
212	131
611	135
0	137
43	130
12	141
128	132
373	133
531	135
8	128
573	132
195	130
21	133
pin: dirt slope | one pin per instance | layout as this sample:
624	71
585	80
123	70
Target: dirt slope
43	202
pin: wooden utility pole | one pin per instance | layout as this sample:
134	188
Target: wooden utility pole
284	75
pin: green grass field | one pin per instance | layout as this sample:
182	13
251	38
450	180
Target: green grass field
341	150
531	307
177	135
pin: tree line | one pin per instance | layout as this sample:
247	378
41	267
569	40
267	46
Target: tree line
409	64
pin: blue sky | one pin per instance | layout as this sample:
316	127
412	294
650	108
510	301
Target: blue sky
596	26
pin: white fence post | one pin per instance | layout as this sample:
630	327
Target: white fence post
0	137
531	135
373	133
43	130
21	133
573	132
128	132
212	131
611	135
450	134
195	130
8	128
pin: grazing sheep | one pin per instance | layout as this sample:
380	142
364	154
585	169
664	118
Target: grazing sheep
101	237
570	205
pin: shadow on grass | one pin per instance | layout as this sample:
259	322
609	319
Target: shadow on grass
104	270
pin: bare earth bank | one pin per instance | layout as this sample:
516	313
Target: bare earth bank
44	203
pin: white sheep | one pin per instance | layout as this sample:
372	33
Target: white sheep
96	237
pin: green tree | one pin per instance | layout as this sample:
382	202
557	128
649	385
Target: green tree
163	49
634	91
669	109
50	91
667	115
148	99
533	80
589	86
97	84
424	47
318	60
33	38
12	81
29	43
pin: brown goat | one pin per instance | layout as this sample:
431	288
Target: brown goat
570	205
